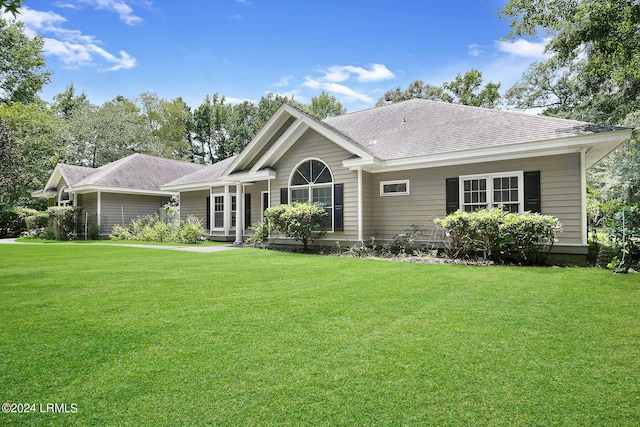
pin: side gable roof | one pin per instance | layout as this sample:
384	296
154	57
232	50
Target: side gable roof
202	177
419	127
422	130
138	171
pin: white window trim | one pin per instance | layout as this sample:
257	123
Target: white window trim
398	193
489	177
213	211
67	202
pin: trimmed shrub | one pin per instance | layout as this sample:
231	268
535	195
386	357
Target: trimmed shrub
191	231
298	221
260	234
499	235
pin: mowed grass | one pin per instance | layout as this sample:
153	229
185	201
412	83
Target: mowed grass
136	337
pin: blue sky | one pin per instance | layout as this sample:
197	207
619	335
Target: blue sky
243	49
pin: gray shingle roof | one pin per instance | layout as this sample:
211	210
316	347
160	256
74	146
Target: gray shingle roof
206	174
74	174
138	171
420	127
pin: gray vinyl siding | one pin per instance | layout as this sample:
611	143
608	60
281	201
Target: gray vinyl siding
194	203
560	189
312	145
88	202
115	207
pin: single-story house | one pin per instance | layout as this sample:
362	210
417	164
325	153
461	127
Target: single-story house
381	170
117	192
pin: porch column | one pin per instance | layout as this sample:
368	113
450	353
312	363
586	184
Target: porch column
99	208
583	196
239	214
360	216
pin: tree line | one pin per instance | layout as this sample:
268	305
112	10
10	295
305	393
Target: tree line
592	74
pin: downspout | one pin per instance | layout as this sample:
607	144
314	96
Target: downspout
360	207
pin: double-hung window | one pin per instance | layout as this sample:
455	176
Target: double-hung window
218	211
492	190
312	182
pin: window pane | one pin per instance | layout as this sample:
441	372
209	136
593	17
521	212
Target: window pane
497	184
322	195
474	184
496	197
483	184
400	187
320	172
514	182
467	197
300	195
302	175
467	185
514	195
505	196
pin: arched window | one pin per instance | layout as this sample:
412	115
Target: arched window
310	182
64	197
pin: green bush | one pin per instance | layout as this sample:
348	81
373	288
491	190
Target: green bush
499	235
623	232
191	231
298	221
260	234
151	228
57	223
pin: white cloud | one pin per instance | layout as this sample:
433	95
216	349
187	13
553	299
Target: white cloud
475	49
349	94
524	48
284	81
124	11
71	46
340	73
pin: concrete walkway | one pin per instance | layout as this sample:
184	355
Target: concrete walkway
194	248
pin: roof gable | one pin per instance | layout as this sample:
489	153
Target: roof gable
280	133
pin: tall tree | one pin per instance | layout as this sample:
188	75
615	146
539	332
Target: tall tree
464	89
22	66
13	175
212	128
602	35
67	101
325	105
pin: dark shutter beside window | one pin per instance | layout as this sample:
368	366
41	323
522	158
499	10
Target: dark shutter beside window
338	207
532	201
265	201
247	210
208	209
284	196
452	195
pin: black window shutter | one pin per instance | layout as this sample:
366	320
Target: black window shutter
208	219
452	195
532	201
265	201
247	210
284	196
338	207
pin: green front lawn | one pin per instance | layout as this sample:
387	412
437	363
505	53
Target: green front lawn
251	337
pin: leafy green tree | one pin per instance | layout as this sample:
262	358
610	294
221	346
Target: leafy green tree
549	85
601	35
465	89
11	6
211	126
325	105
13	175
22	72
166	126
66	102
40	135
